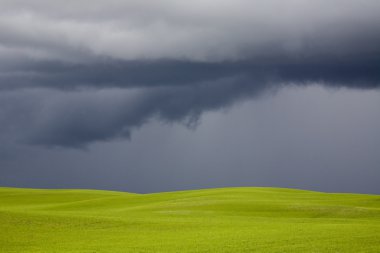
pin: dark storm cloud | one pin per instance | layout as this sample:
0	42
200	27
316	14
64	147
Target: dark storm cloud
77	118
126	74
85	71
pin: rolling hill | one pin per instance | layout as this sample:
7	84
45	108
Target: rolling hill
211	220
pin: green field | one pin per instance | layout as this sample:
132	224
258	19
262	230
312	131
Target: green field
213	220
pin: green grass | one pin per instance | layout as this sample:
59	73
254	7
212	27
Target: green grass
213	220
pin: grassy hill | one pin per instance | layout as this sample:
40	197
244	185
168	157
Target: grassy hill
213	220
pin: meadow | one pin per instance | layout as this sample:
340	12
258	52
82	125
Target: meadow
210	220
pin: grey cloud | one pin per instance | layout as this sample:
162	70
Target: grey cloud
210	30
78	118
84	71
103	44
74	105
108	73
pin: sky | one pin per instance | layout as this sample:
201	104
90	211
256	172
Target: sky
150	96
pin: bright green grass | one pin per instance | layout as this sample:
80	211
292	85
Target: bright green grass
214	220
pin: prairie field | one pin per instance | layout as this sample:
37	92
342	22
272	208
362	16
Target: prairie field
250	219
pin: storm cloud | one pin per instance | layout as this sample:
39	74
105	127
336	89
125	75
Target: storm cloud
85	71
210	30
